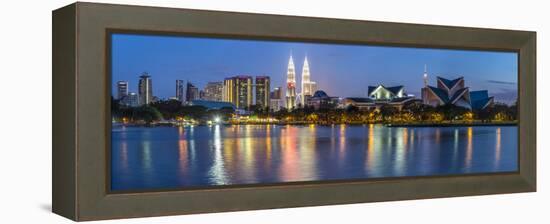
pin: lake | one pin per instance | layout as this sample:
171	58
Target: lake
149	158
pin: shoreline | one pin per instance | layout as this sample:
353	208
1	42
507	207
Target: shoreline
453	125
396	125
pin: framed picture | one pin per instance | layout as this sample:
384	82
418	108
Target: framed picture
201	111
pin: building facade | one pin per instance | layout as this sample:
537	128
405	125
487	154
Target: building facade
382	93
179	90
145	89
456	93
191	93
321	100
379	96
290	85
276	99
238	90
262	91
130	100
202	95
122	89
308	87
214	91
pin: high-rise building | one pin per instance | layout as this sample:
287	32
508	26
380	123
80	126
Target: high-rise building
276	93
290	85
122	89
227	94
238	90
276	99
214	91
145	89
308	87
425	77
130	100
262	91
202	94
192	92
179	90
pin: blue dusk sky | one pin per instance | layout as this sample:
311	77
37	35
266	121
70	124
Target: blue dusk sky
339	70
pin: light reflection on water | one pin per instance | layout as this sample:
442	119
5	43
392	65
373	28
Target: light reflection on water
171	157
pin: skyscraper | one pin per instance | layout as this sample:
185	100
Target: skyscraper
179	90
202	94
228	92
145	89
122	89
131	100
214	91
262	91
424	91
425	76
308	87
192	92
276	99
238	90
290	85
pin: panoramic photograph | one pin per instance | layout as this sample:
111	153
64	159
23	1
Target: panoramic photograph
197	112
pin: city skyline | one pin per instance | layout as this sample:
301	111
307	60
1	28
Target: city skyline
340	70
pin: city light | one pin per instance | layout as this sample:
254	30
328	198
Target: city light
251	101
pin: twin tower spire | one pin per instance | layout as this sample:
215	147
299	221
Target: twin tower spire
307	86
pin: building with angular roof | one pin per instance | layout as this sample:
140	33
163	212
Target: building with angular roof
456	93
382	93
379	96
321	100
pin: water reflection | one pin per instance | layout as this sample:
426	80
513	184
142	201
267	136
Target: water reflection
497	148
147	158
182	152
289	159
124	155
400	152
182	157
469	149
370	155
217	171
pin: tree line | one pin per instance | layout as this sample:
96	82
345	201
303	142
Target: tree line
415	112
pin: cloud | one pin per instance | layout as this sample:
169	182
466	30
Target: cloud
501	82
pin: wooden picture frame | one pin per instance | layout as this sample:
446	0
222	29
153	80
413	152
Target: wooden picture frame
81	110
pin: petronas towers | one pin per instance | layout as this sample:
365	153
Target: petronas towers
307	86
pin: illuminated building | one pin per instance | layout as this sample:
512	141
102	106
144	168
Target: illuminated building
321	100
365	103
214	91
145	89
202	94
191	93
238	90
308	87
262	91
179	90
382	93
276	99
132	100
122	89
290	85
379	96
454	92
